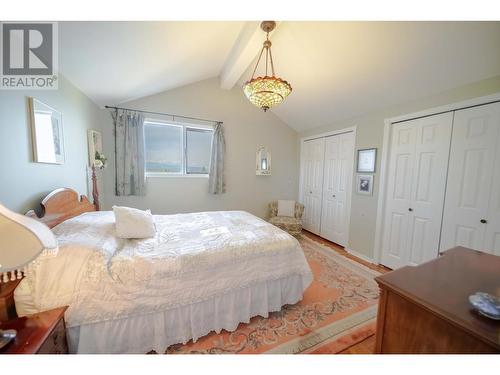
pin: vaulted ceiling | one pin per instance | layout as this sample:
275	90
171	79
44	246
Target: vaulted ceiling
113	62
338	70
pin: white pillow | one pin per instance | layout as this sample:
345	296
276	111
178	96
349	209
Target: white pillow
286	208
133	223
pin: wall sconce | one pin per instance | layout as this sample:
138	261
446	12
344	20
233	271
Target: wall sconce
263	162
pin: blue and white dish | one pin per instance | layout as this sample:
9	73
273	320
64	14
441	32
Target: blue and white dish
486	304
6	337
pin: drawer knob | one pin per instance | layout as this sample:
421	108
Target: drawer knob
410	209
483	221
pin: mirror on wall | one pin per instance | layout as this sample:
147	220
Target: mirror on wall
47	133
263	161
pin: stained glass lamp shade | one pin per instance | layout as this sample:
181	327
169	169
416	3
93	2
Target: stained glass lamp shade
268	91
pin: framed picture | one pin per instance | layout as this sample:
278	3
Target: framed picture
47	133
366	160
364	184
95	147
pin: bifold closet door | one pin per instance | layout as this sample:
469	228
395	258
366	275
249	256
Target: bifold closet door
492	237
415	190
472	208
312	183
337	186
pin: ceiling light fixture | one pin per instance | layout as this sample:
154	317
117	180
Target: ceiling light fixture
268	91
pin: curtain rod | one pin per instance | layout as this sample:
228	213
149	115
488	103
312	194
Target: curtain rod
164	114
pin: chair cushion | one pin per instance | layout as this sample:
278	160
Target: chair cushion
286	208
288	224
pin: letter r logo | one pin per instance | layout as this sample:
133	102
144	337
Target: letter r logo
27	48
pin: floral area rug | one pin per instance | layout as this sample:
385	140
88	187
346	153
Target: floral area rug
338	310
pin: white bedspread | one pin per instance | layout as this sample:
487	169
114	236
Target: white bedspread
193	257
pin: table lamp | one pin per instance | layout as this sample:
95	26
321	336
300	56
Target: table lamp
22	239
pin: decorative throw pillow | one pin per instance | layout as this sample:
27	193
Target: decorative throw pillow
133	223
286	208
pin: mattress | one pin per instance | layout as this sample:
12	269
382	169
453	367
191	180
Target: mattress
202	272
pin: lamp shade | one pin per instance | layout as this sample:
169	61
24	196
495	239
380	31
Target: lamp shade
22	239
267	92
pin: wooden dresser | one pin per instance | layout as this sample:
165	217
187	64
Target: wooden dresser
42	333
425	309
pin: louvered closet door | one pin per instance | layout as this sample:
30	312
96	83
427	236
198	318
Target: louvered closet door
339	156
416	187
472	176
312	183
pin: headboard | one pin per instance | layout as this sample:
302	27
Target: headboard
60	205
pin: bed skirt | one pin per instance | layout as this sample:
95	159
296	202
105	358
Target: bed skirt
157	331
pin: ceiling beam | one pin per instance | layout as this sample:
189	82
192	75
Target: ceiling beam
244	51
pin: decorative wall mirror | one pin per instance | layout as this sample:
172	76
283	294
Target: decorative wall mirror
263	162
47	133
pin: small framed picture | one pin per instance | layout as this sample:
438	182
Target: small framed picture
364	184
366	160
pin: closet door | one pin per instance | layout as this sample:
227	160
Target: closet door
312	183
471	173
432	147
337	186
492	238
416	187
398	196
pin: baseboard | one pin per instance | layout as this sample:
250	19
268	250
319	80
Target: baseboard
360	256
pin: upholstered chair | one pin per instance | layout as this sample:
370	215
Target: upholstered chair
292	225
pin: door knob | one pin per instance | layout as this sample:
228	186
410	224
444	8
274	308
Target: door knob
483	221
410	209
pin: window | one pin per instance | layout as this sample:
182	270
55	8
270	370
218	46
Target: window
198	147
163	148
176	149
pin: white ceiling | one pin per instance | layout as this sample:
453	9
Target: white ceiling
113	62
338	70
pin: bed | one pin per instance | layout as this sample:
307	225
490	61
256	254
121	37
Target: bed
202	272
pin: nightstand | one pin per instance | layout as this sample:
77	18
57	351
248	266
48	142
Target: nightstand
7	306
42	333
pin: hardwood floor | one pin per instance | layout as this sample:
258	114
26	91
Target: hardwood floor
366	346
339	249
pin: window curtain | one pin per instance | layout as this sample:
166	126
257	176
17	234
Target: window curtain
216	180
129	152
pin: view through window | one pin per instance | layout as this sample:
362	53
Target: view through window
177	149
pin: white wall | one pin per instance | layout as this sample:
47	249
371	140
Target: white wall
22	182
246	128
369	134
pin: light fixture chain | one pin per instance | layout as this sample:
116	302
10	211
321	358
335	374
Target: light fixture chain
272	64
258	60
267	52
